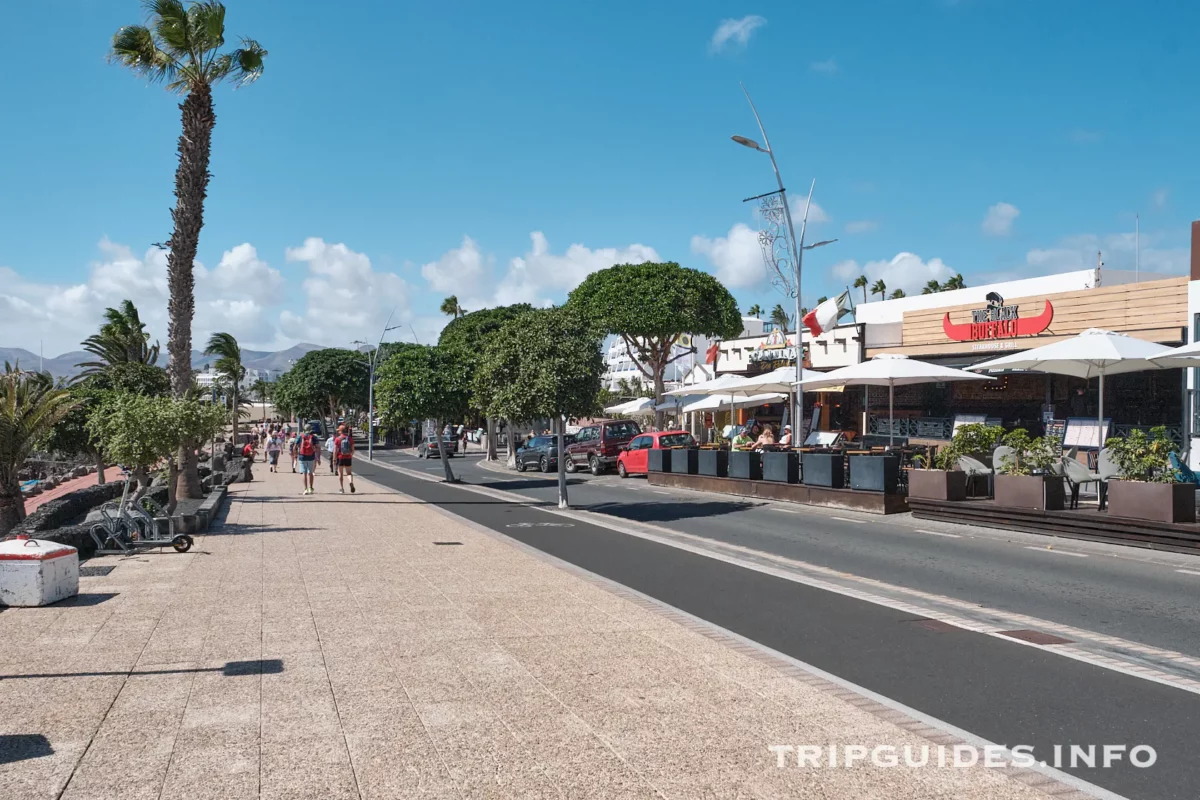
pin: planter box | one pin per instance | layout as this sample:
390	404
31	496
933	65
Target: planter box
875	473
685	461
745	464
781	467
1030	491
936	484
1160	502
824	469
659	460
714	463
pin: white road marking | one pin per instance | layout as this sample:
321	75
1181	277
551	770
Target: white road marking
1056	552
656	491
1188	572
938	533
785	510
847	519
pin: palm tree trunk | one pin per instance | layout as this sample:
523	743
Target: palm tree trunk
237	413
191	187
12	505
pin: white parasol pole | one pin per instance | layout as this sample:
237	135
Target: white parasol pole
1100	422
891	412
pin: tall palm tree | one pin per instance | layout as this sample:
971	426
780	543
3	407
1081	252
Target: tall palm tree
30	405
229	364
262	390
780	317
932	287
755	311
861	283
122	340
896	295
451	308
180	46
879	288
955	282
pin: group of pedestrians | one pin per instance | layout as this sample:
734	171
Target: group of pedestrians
305	449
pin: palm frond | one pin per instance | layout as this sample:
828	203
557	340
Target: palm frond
169	19
133	46
206	25
243	66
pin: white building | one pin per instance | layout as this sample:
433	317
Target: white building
620	364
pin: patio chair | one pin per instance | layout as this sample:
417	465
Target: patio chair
1183	473
999	454
976	469
1077	476
1107	469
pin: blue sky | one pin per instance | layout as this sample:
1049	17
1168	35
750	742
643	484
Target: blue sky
395	153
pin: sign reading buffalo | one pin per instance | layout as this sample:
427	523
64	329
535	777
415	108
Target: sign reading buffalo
998	321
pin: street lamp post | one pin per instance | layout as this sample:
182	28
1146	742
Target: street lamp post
797	248
371	387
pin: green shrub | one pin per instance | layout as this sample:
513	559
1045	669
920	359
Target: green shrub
1143	457
1029	454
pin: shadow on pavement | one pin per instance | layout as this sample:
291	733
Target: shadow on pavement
665	511
22	746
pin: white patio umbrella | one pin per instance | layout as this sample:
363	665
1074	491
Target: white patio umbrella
891	371
639	405
1092	353
714	402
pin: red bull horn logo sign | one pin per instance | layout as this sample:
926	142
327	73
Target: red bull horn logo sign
997	321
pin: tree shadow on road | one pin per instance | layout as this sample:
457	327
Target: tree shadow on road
666	511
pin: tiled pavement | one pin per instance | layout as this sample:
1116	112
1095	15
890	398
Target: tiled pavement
324	647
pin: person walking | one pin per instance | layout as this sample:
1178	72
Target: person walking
329	450
274	446
308	452
292	441
343	448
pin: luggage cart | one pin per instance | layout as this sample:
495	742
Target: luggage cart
126	527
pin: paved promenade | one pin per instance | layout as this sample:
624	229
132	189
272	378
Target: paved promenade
369	646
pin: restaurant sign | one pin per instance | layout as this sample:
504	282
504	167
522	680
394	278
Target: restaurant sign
997	321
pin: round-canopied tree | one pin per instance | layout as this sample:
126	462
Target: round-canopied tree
651	305
424	383
323	381
468	336
543	364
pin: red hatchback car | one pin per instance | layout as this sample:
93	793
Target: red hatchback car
634	459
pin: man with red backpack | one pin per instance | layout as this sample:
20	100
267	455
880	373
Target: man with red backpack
308	451
343	455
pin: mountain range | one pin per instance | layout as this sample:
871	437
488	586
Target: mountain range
64	366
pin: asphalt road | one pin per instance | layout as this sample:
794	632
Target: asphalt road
1002	691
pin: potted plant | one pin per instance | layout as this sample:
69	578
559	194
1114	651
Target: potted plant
1025	478
1147	487
937	478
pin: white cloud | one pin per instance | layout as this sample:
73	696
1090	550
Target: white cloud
861	226
241	272
459	271
816	214
1160	197
737	257
828	66
1117	251
906	271
999	219
346	298
735	31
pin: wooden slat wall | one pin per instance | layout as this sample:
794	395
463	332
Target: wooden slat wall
1154	310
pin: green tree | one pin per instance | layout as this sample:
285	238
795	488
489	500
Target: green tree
468	336
755	311
897	294
879	288
324	381
451	308
931	287
781	318
228	365
954	282
651	305
861	283
424	383
30	406
179	46
122	340
140	431
543	364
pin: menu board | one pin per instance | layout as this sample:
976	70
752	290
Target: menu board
1086	432
967	419
822	438
1056	429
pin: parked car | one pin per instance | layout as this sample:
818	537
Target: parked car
541	452
428	447
597	446
635	457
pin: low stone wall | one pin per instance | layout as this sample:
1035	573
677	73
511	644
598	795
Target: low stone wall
69	508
